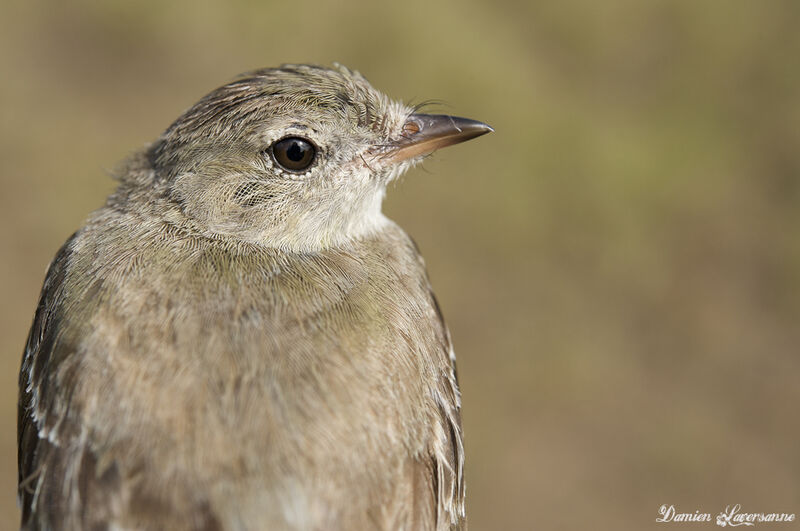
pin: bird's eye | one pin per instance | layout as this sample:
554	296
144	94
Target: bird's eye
293	153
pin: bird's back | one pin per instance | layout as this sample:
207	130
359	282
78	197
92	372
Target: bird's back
223	385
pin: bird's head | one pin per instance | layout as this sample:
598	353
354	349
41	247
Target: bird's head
296	157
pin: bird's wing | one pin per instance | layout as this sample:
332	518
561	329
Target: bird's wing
51	445
430	491
64	480
67	478
444	462
448	454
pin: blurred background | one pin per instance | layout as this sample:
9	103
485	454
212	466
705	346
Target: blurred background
619	263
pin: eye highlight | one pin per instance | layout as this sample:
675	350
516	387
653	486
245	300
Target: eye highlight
293	153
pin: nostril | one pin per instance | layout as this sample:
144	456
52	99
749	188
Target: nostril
410	128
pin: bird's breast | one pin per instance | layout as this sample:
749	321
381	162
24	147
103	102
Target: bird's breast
263	366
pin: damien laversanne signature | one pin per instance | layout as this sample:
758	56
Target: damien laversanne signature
731	516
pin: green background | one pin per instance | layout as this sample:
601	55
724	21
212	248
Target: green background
619	263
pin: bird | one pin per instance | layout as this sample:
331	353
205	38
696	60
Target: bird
239	339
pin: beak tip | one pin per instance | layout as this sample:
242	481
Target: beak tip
478	129
475	127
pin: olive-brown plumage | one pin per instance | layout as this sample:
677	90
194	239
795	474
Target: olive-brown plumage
239	339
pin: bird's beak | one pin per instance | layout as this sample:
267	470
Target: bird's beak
425	133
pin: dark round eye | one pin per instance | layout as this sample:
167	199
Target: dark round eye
294	153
